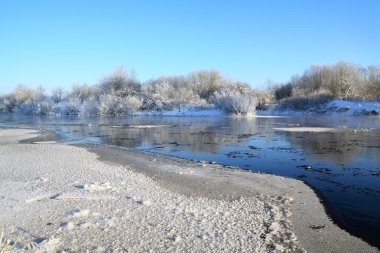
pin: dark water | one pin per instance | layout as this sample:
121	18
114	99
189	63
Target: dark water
343	167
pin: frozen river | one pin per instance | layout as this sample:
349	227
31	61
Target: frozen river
338	156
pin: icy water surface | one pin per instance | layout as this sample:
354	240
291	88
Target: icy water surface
343	166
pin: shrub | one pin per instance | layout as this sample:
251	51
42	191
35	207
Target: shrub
312	102
264	99
90	106
131	104
120	81
284	91
111	104
7	103
234	102
71	106
205	83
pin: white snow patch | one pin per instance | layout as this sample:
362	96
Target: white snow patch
147	126
49	245
82	195
334	107
140	216
353	107
77	213
310	129
94	187
45	142
37	198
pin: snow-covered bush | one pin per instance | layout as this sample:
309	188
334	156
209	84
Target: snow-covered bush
27	107
264	99
7	103
43	107
166	93
70	106
84	92
344	80
205	83
131	104
284	92
26	101
308	103
234	102
121	81
110	104
90	106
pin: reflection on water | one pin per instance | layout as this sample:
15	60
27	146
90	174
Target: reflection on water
343	166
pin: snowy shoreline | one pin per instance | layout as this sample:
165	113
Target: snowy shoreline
98	198
334	107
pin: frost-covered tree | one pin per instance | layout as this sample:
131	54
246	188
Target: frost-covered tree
30	101
346	80
284	91
7	103
234	102
372	87
57	95
84	92
114	105
205	83
119	81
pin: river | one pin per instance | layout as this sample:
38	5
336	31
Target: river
341	164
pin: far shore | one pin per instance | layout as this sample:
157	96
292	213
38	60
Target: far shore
99	198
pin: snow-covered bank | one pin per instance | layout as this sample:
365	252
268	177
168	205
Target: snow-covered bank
353	107
55	197
69	201
334	107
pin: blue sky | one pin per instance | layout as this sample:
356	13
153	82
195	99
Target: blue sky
59	43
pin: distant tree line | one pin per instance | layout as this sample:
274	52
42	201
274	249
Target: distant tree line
321	83
122	93
343	80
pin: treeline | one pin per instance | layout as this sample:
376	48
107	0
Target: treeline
322	83
121	93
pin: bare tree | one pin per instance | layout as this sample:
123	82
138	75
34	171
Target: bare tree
119	81
57	95
205	83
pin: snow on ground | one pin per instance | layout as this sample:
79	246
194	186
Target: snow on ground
310	129
353	107
61	198
335	107
320	129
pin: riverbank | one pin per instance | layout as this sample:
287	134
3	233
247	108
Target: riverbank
334	107
98	198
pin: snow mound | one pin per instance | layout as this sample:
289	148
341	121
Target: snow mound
334	107
353	107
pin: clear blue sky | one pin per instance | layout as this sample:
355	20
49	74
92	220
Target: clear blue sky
58	43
